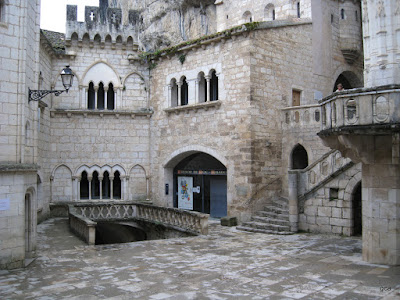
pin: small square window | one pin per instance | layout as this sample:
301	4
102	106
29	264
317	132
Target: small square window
333	194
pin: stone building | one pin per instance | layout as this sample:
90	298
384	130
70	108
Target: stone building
218	95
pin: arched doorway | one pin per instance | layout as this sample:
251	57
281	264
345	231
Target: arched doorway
357	210
200	184
299	157
349	80
29	226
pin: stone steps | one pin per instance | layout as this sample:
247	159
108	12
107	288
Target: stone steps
274	219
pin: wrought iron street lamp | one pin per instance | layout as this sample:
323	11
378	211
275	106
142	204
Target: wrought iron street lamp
67	78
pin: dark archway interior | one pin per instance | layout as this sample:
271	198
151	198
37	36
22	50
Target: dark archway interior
357	210
209	175
299	158
112	233
349	81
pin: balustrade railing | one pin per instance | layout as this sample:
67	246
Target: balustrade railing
306	115
188	220
358	107
321	170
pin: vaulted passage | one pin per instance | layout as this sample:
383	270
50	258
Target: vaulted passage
200	184
113	233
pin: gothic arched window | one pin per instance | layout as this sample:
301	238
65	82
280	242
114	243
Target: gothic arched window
110	97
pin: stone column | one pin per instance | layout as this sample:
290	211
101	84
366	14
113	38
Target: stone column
74	188
85	103
105	97
78	188
101	187
179	93
169	95
96	88
90	187
293	201
112	187
208	88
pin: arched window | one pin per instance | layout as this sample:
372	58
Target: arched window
117	186
299	157
213	86
105	186
247	17
184	92
298	10
269	12
91	96
202	88
84	186
174	93
100	96
95	186
342	14
273	14
110	97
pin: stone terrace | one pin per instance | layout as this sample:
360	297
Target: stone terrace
226	264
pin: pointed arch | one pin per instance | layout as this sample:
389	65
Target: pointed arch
135	94
101	71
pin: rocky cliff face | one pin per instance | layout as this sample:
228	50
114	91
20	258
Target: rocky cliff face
162	23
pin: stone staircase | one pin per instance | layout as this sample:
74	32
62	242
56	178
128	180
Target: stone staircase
274	219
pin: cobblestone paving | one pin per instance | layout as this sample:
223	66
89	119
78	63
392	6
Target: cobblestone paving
226	264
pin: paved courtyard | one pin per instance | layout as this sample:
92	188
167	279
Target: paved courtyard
226	264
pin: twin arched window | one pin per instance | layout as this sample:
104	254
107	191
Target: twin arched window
101	97
96	187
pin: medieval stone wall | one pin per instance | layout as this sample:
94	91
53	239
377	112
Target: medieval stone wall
19	55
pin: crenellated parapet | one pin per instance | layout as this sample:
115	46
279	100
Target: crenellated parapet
102	25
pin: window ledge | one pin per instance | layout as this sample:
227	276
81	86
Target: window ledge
195	107
4	25
101	113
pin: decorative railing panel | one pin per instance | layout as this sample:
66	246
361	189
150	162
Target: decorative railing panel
307	115
359	107
187	220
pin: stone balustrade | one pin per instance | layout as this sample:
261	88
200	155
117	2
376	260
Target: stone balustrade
306	115
82	226
187	220
321	170
361	107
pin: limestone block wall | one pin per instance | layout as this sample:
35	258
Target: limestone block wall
280	61
18	186
321	212
230	13
256	72
96	141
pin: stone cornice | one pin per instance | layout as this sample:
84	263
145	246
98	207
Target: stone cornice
101	113
18	167
195	107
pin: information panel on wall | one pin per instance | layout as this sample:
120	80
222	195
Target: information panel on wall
185	193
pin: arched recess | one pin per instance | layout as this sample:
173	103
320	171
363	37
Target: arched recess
30	222
62	184
349	80
353	195
269	12
299	158
134	91
101	72
247	17
137	183
207	173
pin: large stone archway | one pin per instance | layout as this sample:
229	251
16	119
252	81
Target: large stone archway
212	176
